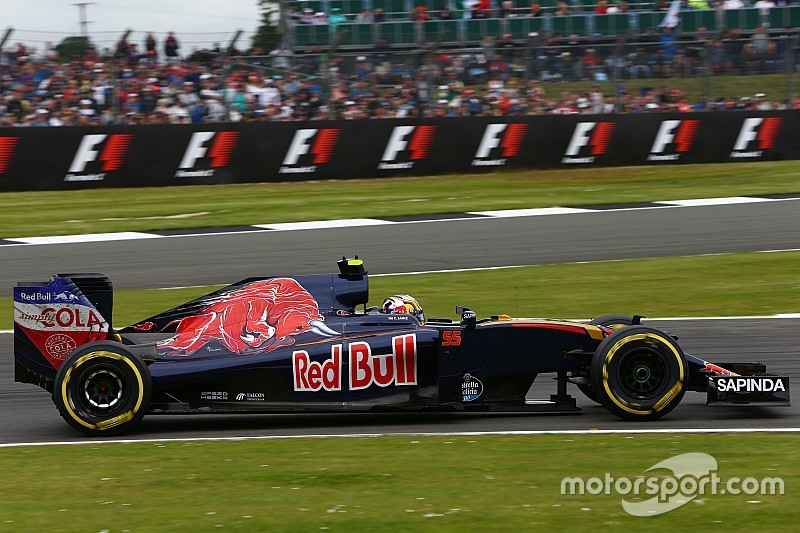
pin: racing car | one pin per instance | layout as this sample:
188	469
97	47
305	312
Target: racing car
310	344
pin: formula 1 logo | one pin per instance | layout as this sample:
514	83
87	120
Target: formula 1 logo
206	152
365	368
674	137
406	142
756	135
503	138
591	137
309	148
7	147
98	154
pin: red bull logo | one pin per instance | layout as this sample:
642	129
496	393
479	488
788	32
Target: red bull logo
259	317
366	368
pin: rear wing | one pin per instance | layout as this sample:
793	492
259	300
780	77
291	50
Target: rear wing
53	318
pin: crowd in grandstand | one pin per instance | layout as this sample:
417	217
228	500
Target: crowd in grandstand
155	85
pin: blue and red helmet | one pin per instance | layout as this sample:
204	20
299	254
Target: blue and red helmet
403	304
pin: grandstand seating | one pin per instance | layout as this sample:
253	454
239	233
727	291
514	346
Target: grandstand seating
400	31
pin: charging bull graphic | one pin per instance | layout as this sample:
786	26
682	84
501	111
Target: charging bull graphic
259	317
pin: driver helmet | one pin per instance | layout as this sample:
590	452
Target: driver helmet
403	304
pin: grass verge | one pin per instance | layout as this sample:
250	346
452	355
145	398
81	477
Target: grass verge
408	483
727	285
113	210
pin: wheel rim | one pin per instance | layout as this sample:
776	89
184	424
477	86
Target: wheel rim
103	389
642	373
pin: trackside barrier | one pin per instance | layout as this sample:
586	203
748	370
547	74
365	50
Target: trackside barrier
139	156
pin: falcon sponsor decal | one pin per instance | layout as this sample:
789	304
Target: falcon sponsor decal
674	138
365	368
589	140
499	142
251	397
406	145
309	148
471	388
258	317
7	147
97	155
206	152
756	135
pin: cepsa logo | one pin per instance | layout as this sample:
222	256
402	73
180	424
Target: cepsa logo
674	137
366	368
756	135
98	154
309	148
7	147
206	152
591	137
503	138
406	145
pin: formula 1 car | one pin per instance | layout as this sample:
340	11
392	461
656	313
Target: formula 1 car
283	344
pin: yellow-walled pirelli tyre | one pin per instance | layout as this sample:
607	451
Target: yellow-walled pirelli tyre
102	389
609	321
639	373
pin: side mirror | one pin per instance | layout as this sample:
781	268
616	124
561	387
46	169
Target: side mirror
468	317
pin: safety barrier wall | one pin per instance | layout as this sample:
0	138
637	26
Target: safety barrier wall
136	156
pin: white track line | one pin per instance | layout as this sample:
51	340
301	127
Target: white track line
325	224
436	434
702	202
88	237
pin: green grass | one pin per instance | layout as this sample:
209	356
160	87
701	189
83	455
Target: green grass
408	483
111	210
728	285
773	85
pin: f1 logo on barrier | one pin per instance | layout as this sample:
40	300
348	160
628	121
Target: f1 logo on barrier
506	136
201	146
417	146
760	130
675	134
592	135
114	148
321	148
7	147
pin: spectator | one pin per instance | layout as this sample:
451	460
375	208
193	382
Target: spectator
281	57
336	17
151	47
365	17
171	47
379	15
536	11
562	9
307	17
445	14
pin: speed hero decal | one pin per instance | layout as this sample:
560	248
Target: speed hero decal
364	368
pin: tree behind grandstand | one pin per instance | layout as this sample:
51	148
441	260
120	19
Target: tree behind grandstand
72	47
268	33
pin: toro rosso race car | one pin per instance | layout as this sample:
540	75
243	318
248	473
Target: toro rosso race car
310	344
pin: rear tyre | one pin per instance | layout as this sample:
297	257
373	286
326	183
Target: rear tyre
102	389
639	373
609	321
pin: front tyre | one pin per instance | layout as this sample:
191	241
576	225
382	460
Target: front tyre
639	373
102	389
609	321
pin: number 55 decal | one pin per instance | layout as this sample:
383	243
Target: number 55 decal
451	337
